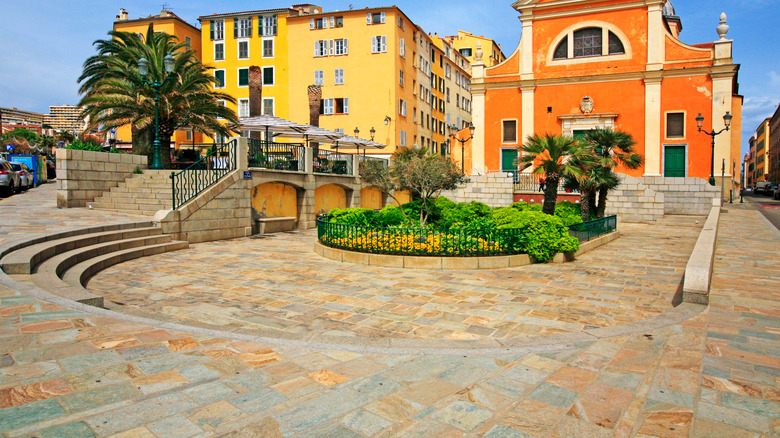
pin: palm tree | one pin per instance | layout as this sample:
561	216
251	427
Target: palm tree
115	95
552	154
613	149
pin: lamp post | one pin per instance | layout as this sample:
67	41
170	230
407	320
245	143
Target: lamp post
462	147
143	69
699	122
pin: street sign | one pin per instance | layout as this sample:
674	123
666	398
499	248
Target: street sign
247	174
9	147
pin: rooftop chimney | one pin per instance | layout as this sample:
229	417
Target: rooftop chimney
122	15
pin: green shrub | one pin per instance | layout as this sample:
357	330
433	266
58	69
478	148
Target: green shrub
389	216
471	215
524	206
544	235
569	244
569	212
84	146
352	216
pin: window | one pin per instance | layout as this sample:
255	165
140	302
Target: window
242	27
379	44
243	49
220	103
510	131
220	77
402	107
268	106
338	22
189	135
402	138
243	107
401	77
319	77
339	76
588	42
402	48
219	51
457	100
466	51
448	94
335	106
321	48
375	18
675	125
217	30
266	26
268	48
414	115
188	42
268	75
318	23
243	77
340	47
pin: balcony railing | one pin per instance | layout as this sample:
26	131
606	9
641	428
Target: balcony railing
276	156
204	173
336	163
585	231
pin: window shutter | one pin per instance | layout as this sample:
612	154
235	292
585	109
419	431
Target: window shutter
331	48
383	49
403	48
211	29
235	28
249	34
675	125
332	21
260	25
273	25
368	17
346	105
374	45
382	17
316	46
346	46
311	23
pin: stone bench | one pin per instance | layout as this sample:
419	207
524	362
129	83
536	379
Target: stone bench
275	224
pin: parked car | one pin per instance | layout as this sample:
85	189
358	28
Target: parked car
776	194
770	190
9	179
26	177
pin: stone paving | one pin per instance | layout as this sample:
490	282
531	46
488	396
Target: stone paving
66	372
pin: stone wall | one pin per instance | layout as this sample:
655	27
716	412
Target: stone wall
82	176
647	199
494	189
221	212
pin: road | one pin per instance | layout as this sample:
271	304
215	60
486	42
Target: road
766	205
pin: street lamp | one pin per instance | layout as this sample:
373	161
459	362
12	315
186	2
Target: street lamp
462	147
699	122
372	131
143	69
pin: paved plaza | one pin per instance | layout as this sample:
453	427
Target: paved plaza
276	341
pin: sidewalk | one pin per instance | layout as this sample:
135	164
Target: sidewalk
68	373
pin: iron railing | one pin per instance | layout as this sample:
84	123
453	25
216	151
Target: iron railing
278	156
585	231
529	182
190	182
385	162
337	163
422	241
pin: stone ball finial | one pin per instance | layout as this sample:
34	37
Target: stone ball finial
723	29
478	54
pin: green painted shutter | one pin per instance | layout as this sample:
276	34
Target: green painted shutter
674	161
578	134
508	157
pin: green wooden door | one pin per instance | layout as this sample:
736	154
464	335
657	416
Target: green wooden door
674	161
508	157
578	134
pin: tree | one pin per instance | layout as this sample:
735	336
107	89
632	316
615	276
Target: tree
115	95
552	155
65	136
613	149
21	135
423	175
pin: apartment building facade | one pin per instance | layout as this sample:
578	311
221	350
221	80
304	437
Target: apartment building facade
466	43
773	147
762	149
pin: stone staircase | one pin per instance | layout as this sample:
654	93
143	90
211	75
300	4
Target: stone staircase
62	263
142	194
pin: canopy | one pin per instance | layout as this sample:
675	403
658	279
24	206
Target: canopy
270	124
315	133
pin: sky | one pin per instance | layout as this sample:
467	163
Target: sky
43	43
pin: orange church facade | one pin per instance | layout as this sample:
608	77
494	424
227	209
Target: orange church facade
583	64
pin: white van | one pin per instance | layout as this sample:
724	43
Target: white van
761	187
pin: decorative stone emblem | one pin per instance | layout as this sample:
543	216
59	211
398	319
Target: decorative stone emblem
586	105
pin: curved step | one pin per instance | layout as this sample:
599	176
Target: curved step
65	274
24	260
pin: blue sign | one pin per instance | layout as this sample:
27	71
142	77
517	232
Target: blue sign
247	174
9	147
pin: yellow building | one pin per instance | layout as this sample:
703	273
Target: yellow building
364	62
232	42
762	151
466	44
171	24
